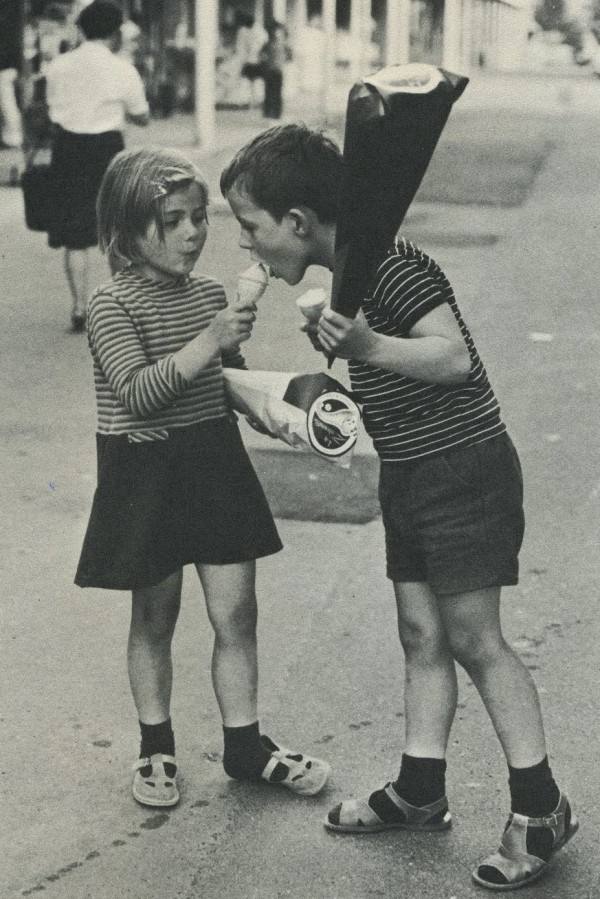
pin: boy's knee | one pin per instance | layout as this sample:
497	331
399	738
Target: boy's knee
476	651
421	641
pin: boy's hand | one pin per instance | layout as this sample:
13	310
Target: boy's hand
346	338
233	325
311	329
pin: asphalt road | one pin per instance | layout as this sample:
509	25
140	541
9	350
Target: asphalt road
331	671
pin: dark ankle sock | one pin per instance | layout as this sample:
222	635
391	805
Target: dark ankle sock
246	756
533	791
421	780
158	738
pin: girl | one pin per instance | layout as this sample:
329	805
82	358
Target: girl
175	485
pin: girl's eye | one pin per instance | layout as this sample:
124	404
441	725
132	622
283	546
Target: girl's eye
200	216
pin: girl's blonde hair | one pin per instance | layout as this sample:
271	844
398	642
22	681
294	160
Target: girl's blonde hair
132	195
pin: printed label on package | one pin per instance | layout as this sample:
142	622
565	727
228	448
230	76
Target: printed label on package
333	421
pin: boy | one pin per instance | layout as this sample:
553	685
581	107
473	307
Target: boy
450	492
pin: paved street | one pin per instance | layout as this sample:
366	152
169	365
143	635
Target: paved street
527	280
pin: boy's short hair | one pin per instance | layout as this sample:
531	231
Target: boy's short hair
287	166
132	195
99	20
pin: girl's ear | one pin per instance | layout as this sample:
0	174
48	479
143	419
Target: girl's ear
301	221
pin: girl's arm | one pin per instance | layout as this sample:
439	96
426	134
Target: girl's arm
145	388
435	351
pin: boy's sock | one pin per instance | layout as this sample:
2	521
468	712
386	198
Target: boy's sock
421	780
158	738
533	791
246	756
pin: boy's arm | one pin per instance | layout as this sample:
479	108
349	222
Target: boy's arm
434	352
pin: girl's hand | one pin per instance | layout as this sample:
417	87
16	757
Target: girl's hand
346	338
232	325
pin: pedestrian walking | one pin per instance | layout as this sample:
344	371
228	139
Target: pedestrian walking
91	91
451	495
175	485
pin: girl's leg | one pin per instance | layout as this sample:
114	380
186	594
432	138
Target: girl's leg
154	615
472	625
430	692
232	610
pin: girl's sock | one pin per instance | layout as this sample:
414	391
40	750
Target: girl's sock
421	780
158	738
246	756
533	791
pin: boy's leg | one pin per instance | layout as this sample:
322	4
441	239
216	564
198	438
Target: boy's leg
541	820
430	688
472	624
416	800
154	615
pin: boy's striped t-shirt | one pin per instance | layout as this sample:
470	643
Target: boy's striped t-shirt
407	418
135	325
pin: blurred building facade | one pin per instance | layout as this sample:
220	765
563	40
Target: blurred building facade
345	38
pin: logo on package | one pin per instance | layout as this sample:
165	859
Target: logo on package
333	420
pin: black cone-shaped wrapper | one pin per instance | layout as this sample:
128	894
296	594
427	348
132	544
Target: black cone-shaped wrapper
393	122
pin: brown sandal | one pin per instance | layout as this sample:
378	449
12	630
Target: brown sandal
524	850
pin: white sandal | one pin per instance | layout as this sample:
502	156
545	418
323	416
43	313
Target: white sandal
155	788
306	775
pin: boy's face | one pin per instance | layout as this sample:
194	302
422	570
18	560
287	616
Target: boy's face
279	245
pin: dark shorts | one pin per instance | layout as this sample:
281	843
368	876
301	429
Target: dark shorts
79	162
455	519
163	504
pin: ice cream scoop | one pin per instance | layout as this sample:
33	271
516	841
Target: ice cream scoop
252	283
312	303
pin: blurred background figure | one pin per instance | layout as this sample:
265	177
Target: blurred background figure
11	133
273	57
91	91
130	41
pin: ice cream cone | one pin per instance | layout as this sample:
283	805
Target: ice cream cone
312	303
252	283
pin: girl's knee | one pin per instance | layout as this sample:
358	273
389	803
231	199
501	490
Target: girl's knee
236	625
423	643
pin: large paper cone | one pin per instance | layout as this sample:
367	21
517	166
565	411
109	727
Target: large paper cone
393	122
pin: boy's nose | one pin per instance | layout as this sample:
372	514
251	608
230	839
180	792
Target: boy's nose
245	242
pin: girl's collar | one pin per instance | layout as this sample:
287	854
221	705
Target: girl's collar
175	281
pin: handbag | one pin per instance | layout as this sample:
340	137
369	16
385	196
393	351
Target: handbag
38	186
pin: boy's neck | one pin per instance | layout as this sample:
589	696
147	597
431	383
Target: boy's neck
324	245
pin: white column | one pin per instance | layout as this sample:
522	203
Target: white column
397	37
451	58
467	37
329	68
206	42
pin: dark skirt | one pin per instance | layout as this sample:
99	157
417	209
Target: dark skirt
159	505
79	162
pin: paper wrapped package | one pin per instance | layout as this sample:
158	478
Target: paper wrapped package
394	119
313	412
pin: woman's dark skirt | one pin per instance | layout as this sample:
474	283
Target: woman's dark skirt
79	162
159	505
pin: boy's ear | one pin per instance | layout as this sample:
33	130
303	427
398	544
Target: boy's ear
300	220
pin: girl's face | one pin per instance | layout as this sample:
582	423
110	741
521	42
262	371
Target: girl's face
184	236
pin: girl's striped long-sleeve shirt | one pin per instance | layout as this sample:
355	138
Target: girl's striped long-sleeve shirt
407	418
135	325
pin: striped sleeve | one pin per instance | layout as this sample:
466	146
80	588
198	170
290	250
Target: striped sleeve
141	387
406	291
